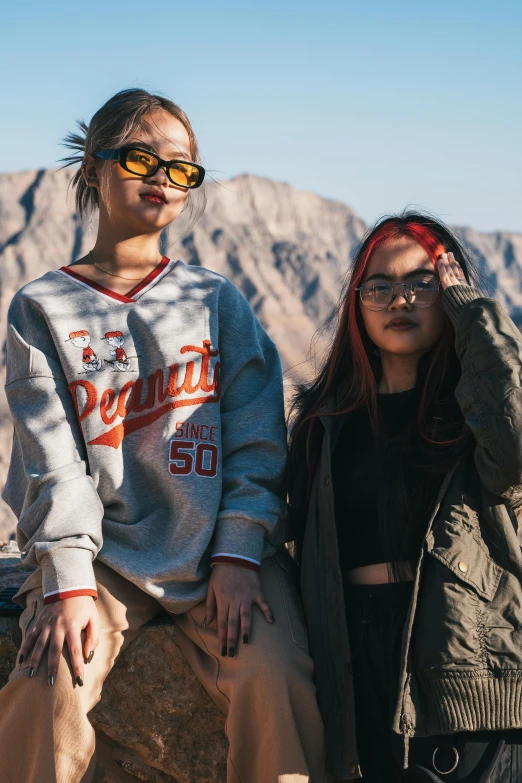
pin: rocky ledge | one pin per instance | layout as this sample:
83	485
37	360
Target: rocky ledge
155	723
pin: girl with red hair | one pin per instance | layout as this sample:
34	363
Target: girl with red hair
405	470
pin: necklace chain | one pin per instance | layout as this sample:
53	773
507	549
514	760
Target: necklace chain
113	274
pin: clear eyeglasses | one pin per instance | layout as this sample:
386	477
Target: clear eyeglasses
420	292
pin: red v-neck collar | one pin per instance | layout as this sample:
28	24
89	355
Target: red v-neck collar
131	295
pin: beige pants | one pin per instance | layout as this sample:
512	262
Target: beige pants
267	692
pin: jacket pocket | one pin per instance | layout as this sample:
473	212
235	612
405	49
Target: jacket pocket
455	547
452	620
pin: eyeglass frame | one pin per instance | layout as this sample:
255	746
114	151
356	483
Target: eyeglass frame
120	153
405	294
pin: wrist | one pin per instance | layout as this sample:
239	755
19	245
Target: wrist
455	297
235	560
65	595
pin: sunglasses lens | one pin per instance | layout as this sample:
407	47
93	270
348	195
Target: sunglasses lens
139	162
184	174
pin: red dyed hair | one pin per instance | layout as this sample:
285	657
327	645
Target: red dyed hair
349	338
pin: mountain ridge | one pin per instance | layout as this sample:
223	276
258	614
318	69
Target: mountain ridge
286	250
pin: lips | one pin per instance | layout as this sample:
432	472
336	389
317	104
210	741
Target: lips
401	324
154	197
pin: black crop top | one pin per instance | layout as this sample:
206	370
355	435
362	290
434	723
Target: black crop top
383	498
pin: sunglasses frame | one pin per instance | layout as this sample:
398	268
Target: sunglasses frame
407	293
120	155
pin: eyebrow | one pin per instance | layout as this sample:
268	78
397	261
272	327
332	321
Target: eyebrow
415	273
144	145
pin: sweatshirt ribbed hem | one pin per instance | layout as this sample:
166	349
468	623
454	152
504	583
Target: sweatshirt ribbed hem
455	297
475	701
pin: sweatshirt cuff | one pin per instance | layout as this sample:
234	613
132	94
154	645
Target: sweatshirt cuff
455	297
239	541
227	558
67	573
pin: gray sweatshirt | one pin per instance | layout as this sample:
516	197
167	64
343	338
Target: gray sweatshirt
148	431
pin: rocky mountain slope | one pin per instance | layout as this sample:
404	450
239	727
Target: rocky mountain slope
286	250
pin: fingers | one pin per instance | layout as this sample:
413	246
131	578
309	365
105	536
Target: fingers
55	653
211	607
261	601
246	622
222	615
450	271
92	637
38	650
29	642
456	269
233	629
74	643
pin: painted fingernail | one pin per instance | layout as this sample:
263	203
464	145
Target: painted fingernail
31	673
91	656
51	680
21	659
245	639
205	623
79	681
271	618
223	651
231	652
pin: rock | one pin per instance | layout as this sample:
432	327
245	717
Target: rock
9	547
10	637
155	723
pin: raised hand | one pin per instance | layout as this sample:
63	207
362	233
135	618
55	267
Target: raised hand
450	271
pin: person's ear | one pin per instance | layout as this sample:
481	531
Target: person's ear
90	174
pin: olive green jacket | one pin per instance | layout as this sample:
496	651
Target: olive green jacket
461	664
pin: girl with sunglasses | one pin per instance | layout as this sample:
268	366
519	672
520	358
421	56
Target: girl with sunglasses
405	470
146	473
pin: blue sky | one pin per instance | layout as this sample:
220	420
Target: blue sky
378	104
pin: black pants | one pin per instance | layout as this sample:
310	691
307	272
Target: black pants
376	615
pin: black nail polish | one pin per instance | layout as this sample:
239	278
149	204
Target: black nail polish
21	659
79	681
205	623
223	651
91	656
31	673
245	639
271	618
231	652
51	680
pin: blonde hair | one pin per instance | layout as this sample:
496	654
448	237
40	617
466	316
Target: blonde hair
112	125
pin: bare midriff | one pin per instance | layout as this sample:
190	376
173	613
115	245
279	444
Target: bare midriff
379	574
